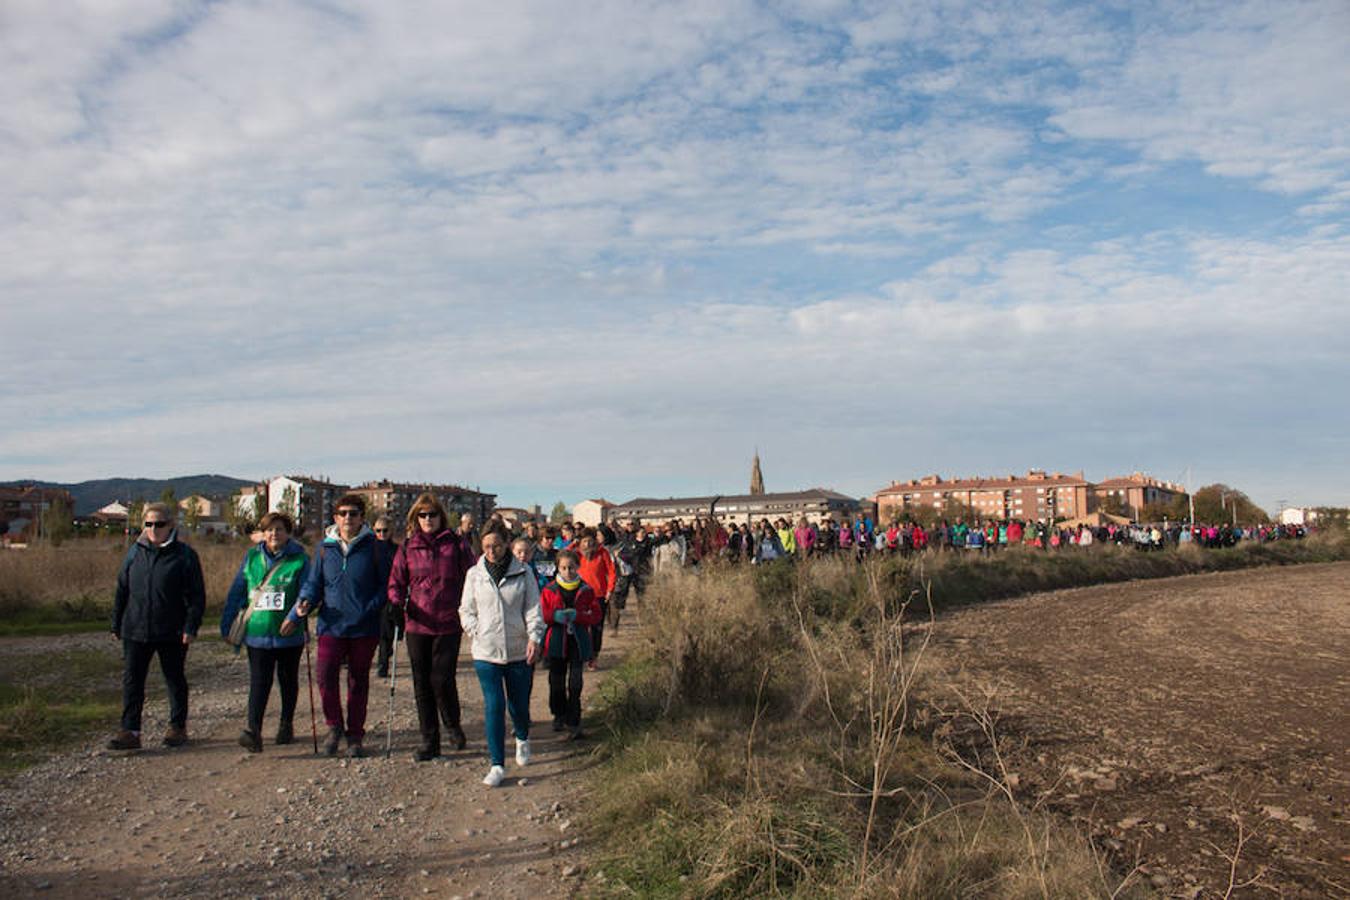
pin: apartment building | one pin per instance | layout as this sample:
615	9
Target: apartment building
1136	491
310	501
394	499
1036	495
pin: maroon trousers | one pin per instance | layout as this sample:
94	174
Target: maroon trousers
357	654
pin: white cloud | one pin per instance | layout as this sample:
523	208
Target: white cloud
693	219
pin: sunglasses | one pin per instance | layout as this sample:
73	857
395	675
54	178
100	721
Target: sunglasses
381	530
349	513
156	524
428	514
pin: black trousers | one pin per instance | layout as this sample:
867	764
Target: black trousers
598	631
136	657
433	659
391	622
262	664
564	689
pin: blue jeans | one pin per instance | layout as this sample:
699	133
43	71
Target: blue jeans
504	684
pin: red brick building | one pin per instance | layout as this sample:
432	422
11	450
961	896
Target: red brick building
1136	491
1036	495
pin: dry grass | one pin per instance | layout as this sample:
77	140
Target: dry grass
45	588
761	745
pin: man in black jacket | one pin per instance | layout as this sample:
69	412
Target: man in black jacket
157	610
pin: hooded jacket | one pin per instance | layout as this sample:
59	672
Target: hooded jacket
428	577
292	570
347	584
161	594
501	619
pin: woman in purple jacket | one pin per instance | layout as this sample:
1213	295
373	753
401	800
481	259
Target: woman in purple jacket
427	580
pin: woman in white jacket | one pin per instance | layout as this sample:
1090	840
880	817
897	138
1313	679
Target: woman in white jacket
499	610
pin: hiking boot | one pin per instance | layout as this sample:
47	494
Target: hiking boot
285	733
355	750
330	743
458	738
176	736
427	753
125	740
250	741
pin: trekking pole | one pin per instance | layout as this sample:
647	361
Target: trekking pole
309	676
393	672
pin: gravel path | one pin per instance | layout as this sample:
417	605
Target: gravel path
210	820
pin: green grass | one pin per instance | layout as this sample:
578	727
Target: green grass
52	701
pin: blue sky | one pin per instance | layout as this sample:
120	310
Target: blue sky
568	250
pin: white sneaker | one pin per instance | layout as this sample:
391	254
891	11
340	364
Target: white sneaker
494	776
522	753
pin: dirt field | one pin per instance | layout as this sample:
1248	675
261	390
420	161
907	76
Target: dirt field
210	820
1175	719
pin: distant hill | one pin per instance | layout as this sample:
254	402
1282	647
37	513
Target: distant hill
93	495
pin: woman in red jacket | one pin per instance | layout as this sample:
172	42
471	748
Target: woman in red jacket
597	569
427	580
571	611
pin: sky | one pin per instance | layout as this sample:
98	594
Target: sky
610	249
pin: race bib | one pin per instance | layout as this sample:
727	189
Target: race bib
270	601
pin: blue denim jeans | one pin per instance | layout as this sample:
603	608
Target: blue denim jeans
504	684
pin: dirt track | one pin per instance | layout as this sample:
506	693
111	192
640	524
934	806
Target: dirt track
1161	714
210	820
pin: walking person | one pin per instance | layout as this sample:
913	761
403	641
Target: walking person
597	569
157	609
346	590
391	620
500	612
428	578
265	590
571	611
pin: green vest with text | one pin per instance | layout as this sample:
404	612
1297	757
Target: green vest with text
271	605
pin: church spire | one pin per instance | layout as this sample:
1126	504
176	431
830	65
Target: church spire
756	477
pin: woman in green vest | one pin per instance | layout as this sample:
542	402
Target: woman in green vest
265	590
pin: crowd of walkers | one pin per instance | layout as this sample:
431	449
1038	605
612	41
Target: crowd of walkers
523	601
541	597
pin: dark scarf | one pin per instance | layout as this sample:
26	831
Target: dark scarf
498	570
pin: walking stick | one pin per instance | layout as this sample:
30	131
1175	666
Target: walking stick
309	676
393	671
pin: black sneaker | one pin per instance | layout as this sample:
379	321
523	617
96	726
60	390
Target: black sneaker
427	753
285	733
355	750
250	741
559	724
457	735
330	743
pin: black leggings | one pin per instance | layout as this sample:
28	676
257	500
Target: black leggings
564	690
262	663
433	658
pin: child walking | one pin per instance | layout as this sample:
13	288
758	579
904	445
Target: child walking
570	609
